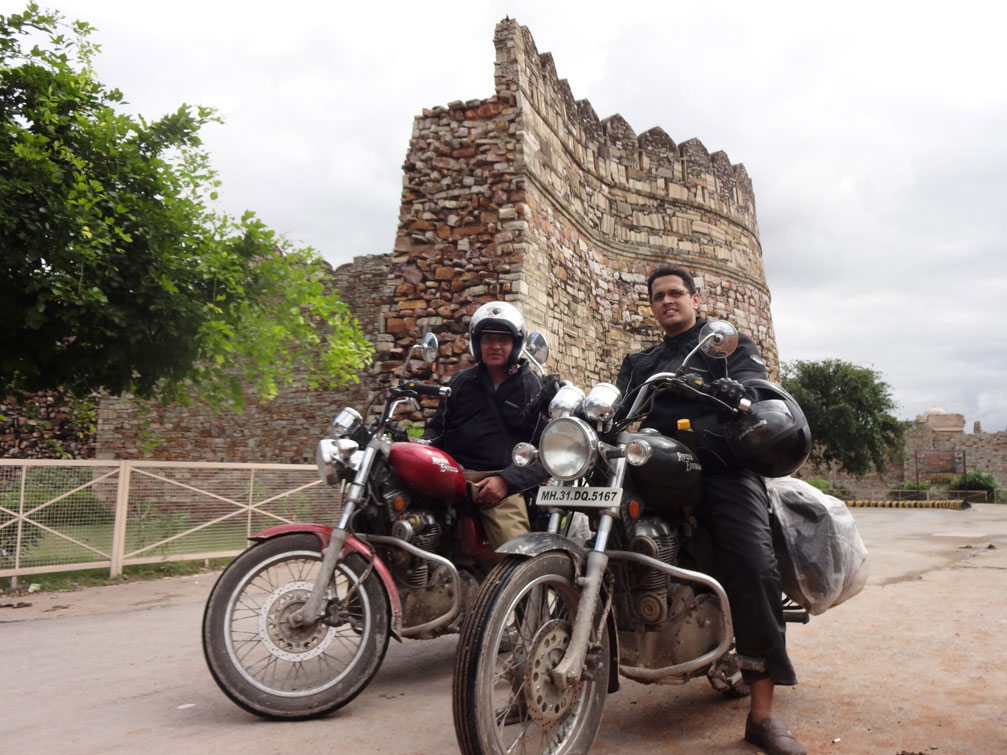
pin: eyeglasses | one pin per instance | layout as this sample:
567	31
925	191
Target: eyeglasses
672	293
492	337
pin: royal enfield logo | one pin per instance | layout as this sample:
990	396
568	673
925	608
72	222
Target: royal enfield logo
690	462
444	464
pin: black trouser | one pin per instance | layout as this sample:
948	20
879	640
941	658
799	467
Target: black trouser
735	510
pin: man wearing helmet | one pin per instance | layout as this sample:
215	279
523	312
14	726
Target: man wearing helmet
492	407
735	507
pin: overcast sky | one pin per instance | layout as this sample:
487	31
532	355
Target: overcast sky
875	135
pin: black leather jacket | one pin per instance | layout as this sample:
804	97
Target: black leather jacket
479	426
667	356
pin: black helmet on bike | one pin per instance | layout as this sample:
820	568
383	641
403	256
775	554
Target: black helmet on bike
497	317
772	439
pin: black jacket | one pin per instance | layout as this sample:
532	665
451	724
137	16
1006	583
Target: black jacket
667	356
479	426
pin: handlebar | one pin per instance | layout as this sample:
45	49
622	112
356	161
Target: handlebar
684	382
407	387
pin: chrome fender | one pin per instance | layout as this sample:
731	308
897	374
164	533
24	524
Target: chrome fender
352	545
535	543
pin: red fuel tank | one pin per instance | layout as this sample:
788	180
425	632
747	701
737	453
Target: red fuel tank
427	470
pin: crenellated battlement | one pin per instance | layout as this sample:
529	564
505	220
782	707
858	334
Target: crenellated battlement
715	182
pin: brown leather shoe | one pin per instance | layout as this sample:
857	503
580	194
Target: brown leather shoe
773	736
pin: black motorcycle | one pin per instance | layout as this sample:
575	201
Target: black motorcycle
557	621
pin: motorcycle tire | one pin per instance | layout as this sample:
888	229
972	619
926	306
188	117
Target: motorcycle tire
503	697
274	670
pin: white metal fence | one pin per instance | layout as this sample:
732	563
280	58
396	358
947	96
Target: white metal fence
60	515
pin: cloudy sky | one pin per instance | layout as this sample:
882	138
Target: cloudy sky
874	134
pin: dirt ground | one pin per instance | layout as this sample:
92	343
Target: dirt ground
915	664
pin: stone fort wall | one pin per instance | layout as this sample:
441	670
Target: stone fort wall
526	196
529	197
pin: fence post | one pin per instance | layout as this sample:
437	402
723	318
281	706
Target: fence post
251	502
121	514
20	523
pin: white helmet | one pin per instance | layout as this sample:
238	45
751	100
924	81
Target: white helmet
497	317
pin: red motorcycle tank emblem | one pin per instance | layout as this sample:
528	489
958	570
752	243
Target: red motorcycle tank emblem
427	470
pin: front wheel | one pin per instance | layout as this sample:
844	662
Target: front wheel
504	698
276	670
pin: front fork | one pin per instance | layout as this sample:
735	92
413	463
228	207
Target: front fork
312	610
568	670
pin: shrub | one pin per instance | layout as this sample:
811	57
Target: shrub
976	479
908	485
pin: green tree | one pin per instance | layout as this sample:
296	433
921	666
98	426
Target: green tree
116	272
848	409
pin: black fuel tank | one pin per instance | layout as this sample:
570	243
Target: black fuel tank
670	481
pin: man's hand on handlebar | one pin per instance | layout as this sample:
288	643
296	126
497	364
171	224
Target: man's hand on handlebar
730	391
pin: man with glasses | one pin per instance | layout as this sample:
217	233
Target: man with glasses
735	506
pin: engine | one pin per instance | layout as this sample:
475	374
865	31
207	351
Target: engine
649	587
422	529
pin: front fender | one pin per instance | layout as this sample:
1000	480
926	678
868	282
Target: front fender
352	545
534	543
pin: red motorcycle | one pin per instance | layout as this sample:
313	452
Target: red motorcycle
299	623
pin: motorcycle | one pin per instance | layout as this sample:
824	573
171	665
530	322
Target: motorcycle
299	623
557	622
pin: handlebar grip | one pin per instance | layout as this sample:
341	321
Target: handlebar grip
424	389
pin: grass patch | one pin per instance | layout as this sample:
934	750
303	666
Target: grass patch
71	580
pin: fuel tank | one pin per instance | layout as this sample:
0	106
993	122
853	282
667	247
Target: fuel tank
426	470
670	480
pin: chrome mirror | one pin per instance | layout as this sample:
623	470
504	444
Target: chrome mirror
718	339
537	347
428	348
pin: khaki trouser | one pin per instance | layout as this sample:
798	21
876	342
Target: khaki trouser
504	521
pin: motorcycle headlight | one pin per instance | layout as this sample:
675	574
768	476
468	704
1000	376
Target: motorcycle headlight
602	402
566	401
568	448
331	454
346	423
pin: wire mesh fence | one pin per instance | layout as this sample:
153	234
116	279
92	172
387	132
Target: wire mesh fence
66	515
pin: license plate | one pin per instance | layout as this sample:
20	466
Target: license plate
590	497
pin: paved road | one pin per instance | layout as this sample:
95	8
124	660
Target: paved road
914	664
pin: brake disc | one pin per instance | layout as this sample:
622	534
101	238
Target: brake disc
548	704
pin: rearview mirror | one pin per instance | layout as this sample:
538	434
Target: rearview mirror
718	339
428	348
537	348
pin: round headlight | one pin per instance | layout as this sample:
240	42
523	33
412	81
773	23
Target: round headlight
568	448
566	401
346	423
602	402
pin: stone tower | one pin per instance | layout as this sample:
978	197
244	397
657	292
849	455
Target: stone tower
527	196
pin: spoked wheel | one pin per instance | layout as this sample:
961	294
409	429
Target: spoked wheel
274	668
505	699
